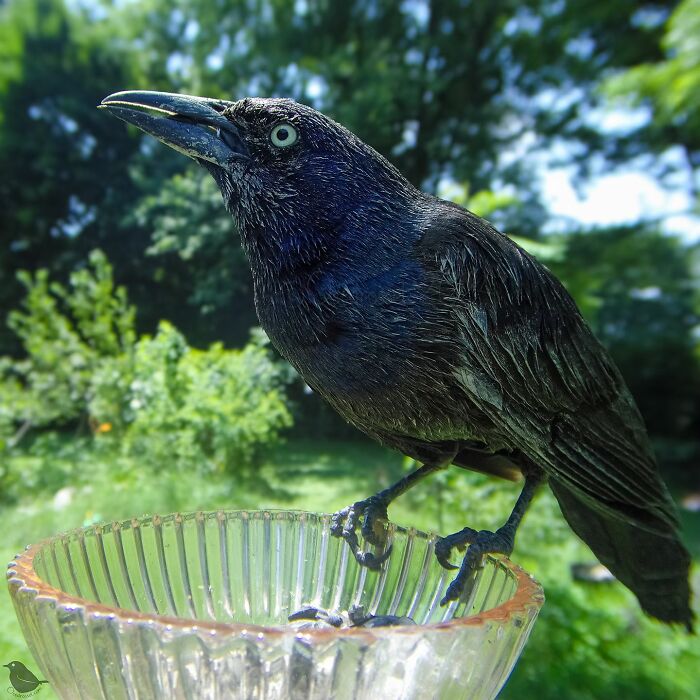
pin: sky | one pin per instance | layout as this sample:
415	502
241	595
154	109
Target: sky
621	197
625	194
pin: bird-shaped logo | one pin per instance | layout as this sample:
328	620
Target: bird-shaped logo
22	679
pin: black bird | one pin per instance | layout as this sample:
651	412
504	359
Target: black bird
22	679
431	332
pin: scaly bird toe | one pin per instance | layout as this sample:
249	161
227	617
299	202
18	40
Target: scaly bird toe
374	515
480	543
372	561
345	522
445	545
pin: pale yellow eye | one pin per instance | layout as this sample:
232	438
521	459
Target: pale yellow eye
283	135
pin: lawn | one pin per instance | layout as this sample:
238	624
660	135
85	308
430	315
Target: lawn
585	633
315	477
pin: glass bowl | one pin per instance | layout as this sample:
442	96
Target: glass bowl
196	605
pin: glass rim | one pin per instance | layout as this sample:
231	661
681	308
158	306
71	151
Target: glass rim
23	578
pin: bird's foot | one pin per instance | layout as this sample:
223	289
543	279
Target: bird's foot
373	513
314	614
480	542
354	617
458	540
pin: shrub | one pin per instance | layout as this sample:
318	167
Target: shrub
184	408
66	332
156	399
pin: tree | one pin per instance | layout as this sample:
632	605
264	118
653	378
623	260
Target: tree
65	168
670	86
638	290
452	91
447	89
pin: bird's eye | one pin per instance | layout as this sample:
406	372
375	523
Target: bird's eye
283	135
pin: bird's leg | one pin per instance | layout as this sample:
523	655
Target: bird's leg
484	541
372	510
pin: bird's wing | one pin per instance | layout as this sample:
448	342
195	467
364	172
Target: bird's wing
26	676
529	361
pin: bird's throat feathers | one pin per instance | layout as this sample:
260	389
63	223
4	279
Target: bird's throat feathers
310	272
285	242
320	227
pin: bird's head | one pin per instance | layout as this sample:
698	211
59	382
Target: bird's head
285	170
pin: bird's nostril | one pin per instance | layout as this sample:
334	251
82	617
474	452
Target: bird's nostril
231	139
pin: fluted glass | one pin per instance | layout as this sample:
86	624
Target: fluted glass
195	605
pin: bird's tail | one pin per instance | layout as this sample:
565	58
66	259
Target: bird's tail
653	565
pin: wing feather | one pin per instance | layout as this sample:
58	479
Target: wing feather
563	402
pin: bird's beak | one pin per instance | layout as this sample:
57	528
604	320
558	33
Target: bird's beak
194	126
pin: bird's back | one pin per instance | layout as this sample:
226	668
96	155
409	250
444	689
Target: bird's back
533	366
457	345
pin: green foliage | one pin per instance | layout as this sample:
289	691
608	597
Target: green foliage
156	399
169	404
65	168
671	86
45	463
590	643
188	220
637	288
483	203
66	332
463	91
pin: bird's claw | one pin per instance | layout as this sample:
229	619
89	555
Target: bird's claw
344	524
372	561
312	613
444	559
338	521
445	545
373	510
480	543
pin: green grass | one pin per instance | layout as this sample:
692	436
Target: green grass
590	641
314	477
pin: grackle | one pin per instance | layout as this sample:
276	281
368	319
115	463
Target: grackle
433	333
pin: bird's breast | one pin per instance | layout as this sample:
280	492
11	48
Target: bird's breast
344	330
368	344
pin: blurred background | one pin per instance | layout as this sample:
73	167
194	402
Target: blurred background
133	378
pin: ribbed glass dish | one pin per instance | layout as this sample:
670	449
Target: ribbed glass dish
195	605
